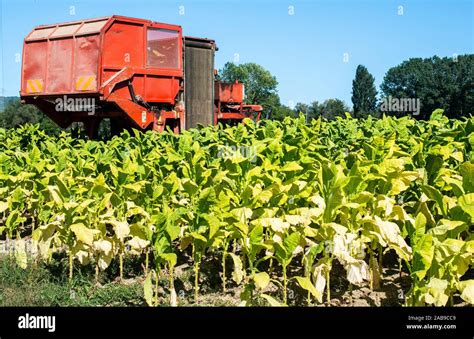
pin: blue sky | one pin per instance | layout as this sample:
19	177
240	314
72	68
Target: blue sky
305	50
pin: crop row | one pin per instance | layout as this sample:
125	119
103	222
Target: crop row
258	195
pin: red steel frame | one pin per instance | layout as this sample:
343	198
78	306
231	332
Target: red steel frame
229	106
123	80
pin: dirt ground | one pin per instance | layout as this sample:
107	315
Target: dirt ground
392	292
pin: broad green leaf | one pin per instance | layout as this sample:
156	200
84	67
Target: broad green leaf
262	279
466	288
84	234
467	172
173	230
467	203
390	232
55	195
256	235
276	224
423	256
121	228
291	242
138	243
437	292
238	273
272	301
148	289
291	166
446	225
435	195
20	253
306	283
171	258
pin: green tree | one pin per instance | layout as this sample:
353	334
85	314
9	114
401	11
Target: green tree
305	109
332	108
271	109
17	114
282	111
446	83
260	84
364	94
311	111
315	110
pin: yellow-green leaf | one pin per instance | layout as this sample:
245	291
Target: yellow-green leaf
467	203
238	273
272	301
20	253
466	288
306	283
84	234
262	279
148	289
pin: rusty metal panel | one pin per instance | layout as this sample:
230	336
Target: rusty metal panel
229	92
91	27
34	67
123	46
199	82
62	58
86	63
59	77
41	33
67	30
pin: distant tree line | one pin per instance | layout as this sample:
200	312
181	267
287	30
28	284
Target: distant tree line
16	114
416	87
446	83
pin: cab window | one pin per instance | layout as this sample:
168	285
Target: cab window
162	48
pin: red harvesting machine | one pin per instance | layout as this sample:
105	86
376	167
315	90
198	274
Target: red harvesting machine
138	73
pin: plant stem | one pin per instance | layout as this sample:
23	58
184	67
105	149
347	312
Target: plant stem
171	277
146	263
328	287
380	261
400	268
243	259
196	281
70	265
156	286
350	293
121	265
284	284
97	270
172	291
415	282
251	268
224	255
371	266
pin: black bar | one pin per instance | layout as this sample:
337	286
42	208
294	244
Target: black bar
291	322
